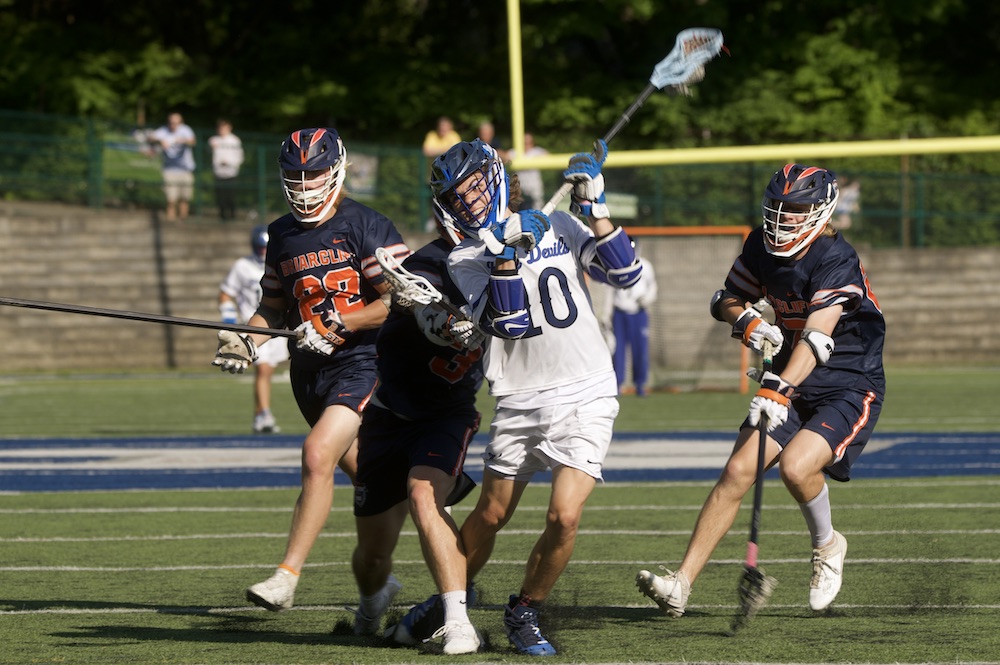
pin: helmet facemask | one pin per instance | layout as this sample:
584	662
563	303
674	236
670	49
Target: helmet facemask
311	194
470	184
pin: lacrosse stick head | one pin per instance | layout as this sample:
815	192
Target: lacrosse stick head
755	589
685	64
470	184
313	165
797	205
409	288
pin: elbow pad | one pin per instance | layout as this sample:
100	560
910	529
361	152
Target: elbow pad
716	303
820	343
616	263
506	312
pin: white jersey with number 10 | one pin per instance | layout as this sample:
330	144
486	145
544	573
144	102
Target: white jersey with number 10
564	346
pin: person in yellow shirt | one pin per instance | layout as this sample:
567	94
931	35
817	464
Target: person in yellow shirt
441	138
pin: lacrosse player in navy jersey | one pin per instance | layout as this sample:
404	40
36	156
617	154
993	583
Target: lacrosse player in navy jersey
321	279
546	360
413	441
824	393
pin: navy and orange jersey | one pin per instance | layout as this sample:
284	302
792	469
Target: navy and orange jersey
417	378
829	274
330	267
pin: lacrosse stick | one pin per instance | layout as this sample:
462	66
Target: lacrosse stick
755	586
149	318
409	286
684	66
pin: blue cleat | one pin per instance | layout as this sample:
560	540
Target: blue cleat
520	622
423	620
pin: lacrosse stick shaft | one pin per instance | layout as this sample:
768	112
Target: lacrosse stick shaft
758	488
692	49
148	318
566	187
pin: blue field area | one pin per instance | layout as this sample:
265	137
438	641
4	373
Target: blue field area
52	465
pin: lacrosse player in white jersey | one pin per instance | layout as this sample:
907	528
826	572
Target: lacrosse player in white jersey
239	296
546	360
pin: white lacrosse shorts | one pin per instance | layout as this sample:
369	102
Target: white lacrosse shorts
526	441
273	352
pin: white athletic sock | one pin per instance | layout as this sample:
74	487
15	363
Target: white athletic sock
455	608
818	518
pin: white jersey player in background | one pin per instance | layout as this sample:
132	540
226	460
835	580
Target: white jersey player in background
546	360
239	297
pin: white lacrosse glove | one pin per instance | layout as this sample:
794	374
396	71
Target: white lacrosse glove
522	229
236	352
323	337
445	329
752	330
772	400
584	173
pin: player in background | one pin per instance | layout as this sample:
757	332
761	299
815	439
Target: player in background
239	296
628	312
824	394
322	280
546	360
413	441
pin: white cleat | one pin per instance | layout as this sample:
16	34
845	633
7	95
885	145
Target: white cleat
369	625
670	592
276	593
458	637
828	573
264	423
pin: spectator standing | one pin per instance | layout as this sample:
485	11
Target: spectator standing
227	157
849	204
176	143
239	297
487	133
442	137
532	188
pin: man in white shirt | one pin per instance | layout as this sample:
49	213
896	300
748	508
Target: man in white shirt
227	157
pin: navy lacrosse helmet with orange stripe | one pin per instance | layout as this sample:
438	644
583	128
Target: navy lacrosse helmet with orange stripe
798	204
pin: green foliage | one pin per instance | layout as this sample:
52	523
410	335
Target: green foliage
382	71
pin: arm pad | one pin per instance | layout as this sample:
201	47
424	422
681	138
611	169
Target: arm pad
820	343
616	262
506	313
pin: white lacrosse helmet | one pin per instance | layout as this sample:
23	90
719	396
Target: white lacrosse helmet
313	165
798	204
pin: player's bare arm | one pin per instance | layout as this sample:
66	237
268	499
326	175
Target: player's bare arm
371	315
